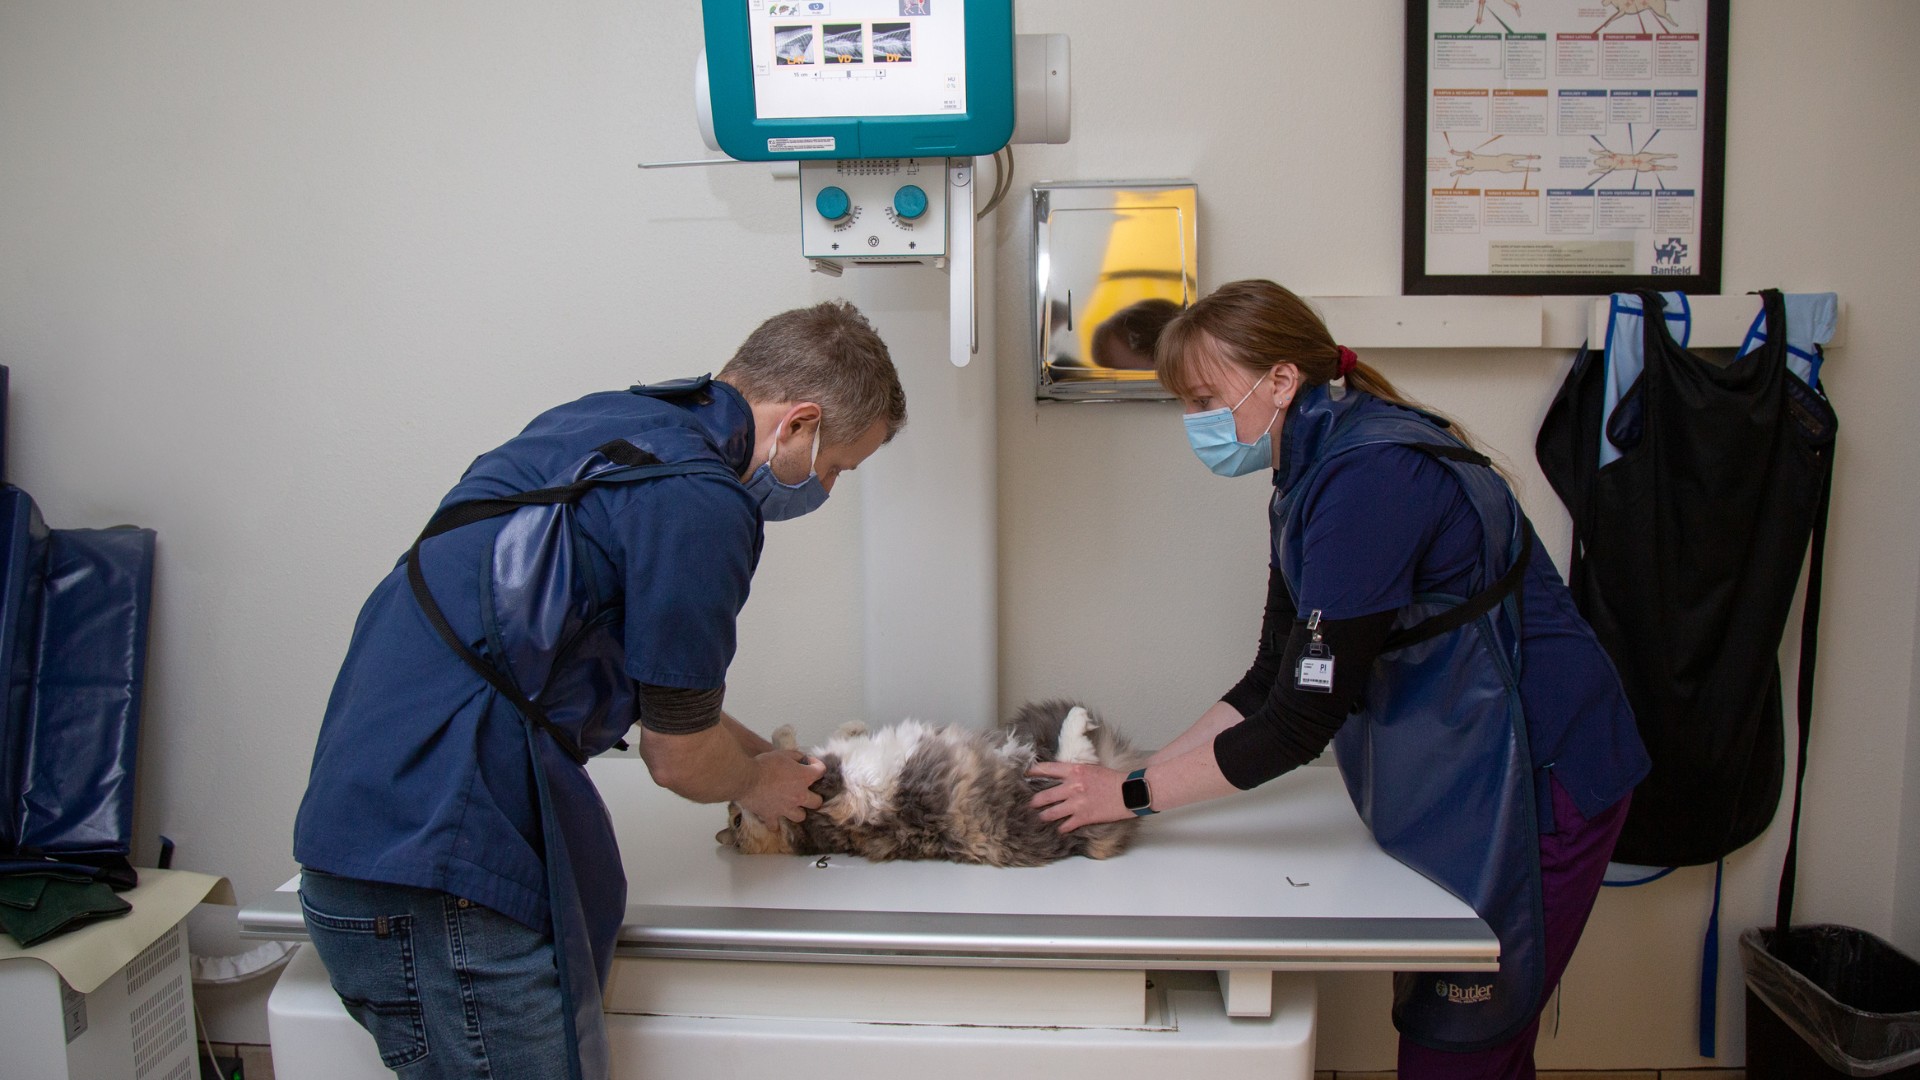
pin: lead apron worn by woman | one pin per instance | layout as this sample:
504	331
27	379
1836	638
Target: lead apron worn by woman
1446	687
557	660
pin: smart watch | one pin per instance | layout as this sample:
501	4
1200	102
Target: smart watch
1135	794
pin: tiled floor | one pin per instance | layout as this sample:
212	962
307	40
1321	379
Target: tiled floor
255	1061
259	1066
1550	1074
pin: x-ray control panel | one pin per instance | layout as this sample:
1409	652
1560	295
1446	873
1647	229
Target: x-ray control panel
883	209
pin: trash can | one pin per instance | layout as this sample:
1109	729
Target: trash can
1829	1001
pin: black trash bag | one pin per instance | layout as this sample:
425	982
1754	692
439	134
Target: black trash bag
1851	997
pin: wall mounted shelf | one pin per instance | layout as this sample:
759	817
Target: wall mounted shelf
1517	322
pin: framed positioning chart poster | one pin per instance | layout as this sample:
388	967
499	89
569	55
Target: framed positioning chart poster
1564	146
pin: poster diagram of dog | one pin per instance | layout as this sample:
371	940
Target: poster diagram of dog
1480	13
1472	161
1640	9
1480	160
1606	161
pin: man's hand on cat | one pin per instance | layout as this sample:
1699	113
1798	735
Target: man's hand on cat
782	779
1085	795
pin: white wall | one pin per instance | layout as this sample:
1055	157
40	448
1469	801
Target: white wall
270	275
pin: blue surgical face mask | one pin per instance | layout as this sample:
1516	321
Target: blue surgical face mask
781	501
1218	445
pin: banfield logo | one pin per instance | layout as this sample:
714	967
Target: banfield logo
1463	995
1671	257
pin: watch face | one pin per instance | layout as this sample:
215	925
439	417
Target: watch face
1133	793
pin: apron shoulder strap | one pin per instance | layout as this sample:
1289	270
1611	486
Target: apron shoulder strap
637	464
1481	602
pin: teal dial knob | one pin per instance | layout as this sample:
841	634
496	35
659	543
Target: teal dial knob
832	203
910	202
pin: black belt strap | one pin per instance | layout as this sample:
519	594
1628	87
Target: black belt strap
1803	704
1481	602
641	466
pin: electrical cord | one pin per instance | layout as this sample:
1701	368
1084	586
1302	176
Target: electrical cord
1002	181
206	1043
987	207
1007	188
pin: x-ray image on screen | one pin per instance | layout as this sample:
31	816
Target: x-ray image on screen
844	43
892	43
857	58
793	45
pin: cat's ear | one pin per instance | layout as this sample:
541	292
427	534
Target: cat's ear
783	738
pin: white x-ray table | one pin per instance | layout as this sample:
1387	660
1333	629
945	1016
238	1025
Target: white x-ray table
733	965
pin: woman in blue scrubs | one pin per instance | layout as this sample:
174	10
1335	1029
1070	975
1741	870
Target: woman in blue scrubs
1413	622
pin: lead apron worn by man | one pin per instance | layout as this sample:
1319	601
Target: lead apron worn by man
548	633
555	669
1471	827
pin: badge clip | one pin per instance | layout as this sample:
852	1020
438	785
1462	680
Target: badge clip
1314	670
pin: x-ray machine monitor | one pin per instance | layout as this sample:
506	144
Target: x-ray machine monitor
852	79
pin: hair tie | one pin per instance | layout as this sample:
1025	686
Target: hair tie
1347	360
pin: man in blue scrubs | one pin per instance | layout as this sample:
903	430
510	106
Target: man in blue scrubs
460	878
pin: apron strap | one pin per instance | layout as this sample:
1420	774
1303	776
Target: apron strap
1479	603
1803	706
1710	969
638	465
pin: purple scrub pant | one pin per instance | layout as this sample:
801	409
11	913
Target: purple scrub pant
1573	860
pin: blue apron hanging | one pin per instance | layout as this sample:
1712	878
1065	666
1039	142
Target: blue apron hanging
1446	688
556	656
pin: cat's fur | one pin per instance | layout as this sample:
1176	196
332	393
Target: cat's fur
915	791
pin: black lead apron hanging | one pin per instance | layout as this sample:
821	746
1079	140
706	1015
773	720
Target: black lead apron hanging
1687	550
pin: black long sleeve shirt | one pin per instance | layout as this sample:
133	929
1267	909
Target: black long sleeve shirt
1285	726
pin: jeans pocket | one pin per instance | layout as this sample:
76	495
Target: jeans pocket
370	964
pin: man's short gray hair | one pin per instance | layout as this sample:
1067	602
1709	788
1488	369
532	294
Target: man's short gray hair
828	354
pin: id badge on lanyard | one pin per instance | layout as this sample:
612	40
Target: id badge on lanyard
1314	670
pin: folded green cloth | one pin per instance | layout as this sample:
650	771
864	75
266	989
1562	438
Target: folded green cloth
24	890
62	905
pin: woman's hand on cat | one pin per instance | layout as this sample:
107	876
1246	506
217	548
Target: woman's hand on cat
782	786
1085	795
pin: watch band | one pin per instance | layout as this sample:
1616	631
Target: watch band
1136	795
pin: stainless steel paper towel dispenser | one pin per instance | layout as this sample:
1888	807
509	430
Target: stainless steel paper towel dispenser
1112	261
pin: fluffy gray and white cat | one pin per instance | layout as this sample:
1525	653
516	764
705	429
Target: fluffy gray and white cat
915	791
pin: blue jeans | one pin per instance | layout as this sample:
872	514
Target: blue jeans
448	989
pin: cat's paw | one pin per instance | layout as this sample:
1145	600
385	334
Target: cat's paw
852	729
1076	737
783	738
